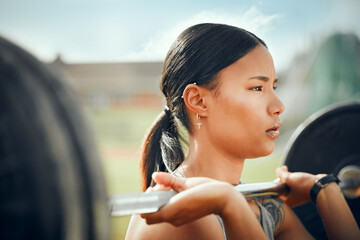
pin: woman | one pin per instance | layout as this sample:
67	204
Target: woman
219	84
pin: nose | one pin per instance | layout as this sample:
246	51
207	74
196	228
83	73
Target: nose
276	107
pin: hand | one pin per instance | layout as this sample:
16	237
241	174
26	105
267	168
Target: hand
300	184
197	198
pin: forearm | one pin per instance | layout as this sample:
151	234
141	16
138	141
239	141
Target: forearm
239	220
336	215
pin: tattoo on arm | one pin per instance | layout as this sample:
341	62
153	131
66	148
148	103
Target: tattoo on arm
276	208
258	217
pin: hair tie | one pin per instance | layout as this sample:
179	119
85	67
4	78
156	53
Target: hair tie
167	110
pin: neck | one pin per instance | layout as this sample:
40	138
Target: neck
205	161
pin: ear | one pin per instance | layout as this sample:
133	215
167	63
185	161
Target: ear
194	99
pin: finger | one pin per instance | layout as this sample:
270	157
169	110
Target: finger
284	198
160	187
167	180
283	168
282	173
151	218
150	189
164	214
154	218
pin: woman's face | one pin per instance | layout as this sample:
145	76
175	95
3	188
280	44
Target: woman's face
243	112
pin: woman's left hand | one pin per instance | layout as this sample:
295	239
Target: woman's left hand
300	185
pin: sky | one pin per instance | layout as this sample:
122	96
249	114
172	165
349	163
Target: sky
129	30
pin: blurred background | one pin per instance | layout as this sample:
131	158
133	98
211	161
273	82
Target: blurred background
110	53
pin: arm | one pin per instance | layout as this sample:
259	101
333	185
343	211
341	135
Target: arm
337	218
335	214
199	197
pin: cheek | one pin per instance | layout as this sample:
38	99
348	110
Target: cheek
239	126
238	113
248	116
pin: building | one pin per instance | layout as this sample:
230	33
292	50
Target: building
113	84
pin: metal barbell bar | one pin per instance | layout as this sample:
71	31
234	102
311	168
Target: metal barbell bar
148	202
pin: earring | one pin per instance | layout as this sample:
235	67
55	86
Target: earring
187	91
198	118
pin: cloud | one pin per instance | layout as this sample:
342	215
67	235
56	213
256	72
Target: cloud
252	20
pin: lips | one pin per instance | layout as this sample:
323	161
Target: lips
274	131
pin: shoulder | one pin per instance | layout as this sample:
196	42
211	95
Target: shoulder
205	228
276	208
138	229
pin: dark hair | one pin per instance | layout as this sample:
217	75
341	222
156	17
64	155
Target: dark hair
197	55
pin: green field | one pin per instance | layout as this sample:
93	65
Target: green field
119	133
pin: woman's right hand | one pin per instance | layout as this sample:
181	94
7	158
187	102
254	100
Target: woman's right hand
330	203
300	184
197	198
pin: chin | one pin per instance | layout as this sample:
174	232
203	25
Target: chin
263	152
270	149
266	150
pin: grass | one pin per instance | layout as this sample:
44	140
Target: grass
119	133
261	169
121	177
122	126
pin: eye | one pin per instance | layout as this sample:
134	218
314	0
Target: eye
275	85
258	89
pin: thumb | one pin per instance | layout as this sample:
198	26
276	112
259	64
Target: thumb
282	173
167	180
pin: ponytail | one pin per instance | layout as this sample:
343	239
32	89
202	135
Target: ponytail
161	149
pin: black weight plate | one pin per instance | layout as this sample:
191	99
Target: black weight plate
325	143
51	183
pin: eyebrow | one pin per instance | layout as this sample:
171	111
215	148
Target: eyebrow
262	78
